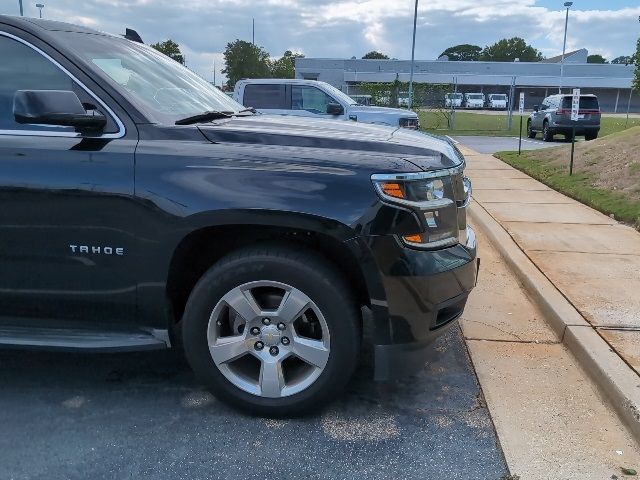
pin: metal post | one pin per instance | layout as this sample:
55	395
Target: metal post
253	31
564	44
452	117
413	51
520	138
573	146
511	96
21	10
626	123
214	72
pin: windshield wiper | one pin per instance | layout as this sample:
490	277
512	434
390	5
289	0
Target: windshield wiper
250	109
204	117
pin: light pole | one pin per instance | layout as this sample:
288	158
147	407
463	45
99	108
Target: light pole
413	52
40	6
21	11
564	44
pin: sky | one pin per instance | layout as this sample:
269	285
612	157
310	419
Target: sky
347	28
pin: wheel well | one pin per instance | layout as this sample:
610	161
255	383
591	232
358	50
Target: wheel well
201	249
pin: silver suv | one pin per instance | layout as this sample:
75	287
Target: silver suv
554	117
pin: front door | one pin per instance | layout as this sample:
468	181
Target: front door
65	203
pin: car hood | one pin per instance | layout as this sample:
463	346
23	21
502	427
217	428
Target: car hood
348	139
382	111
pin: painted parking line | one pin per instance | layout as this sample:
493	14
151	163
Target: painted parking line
528	140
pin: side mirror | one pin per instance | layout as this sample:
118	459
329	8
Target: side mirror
54	107
334	109
536	108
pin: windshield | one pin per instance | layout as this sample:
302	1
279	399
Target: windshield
161	87
454	95
339	95
498	97
475	96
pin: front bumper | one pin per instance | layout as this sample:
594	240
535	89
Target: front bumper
426	291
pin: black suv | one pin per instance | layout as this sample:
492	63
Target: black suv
143	208
554	117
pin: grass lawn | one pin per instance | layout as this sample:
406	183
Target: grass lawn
496	125
606	172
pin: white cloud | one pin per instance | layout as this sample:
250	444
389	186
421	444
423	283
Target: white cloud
344	28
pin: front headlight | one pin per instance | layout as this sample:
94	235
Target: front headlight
431	195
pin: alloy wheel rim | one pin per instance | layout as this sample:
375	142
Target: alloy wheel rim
268	338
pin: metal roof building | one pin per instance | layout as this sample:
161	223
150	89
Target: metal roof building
612	83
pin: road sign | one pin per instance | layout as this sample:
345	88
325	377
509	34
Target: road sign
521	106
575	104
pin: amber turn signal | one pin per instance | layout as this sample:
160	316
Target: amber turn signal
417	238
392	189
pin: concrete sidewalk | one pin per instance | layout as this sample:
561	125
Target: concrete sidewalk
592	261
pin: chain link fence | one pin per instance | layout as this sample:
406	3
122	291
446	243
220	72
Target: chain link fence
445	107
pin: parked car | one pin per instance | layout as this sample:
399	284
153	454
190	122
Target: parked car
497	101
453	100
474	100
553	117
144	209
311	98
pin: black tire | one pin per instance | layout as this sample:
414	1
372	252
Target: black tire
530	133
547	133
306	271
590	136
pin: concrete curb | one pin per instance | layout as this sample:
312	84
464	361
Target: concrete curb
614	378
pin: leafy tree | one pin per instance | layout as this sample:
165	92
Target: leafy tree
596	58
285	66
508	49
636	61
623	59
464	52
245	60
375	55
171	49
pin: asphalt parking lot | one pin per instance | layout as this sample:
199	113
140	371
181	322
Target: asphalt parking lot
144	415
492	145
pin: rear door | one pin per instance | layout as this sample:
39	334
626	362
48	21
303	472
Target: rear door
66	222
274	98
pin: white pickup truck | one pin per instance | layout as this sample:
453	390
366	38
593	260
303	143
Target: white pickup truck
474	100
311	98
497	101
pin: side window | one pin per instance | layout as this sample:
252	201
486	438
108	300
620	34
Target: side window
22	68
545	104
311	99
267	95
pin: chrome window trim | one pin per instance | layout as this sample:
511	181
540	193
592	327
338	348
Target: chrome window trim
41	133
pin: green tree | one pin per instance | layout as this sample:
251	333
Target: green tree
623	59
285	66
171	49
375	55
464	52
596	58
508	49
245	60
